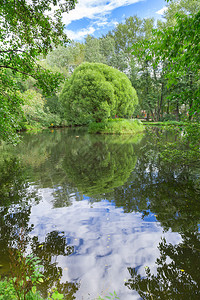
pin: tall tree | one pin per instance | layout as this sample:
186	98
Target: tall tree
181	6
28	29
179	47
67	57
93	51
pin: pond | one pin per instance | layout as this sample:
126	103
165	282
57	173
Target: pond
103	213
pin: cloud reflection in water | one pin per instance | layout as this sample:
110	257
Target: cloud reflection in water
106	242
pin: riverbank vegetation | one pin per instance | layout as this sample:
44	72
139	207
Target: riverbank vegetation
117	126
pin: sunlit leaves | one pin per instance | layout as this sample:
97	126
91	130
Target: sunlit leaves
96	92
28	29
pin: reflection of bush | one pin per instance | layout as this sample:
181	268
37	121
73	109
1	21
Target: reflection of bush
98	164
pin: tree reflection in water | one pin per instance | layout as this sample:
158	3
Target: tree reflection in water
17	197
98	164
178	269
171	191
54	245
132	176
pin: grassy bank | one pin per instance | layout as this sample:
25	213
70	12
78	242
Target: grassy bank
167	123
116	126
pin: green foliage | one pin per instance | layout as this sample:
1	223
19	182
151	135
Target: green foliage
167	72
126	34
25	270
112	296
182	6
56	295
26	32
26	276
117	126
7	291
10	107
96	92
93	50
179	45
36	116
66	58
167	123
175	50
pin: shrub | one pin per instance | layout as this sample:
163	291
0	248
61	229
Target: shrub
96	92
36	115
117	126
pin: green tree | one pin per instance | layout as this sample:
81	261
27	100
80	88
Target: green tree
103	50
181	6
28	29
96	92
92	50
146	76
66	58
179	47
126	34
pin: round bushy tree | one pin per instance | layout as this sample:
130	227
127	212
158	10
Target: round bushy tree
96	92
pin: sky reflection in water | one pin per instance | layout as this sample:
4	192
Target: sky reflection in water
106	242
97	208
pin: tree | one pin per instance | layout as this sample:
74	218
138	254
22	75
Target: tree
66	58
181	6
179	47
96	92
92	50
28	29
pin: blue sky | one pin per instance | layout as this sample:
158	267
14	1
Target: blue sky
97	17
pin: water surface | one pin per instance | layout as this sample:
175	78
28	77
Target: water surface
100	211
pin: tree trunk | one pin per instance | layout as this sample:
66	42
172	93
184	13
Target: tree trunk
177	111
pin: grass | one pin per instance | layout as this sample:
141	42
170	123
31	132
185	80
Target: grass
166	123
117	126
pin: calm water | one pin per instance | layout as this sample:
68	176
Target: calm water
103	213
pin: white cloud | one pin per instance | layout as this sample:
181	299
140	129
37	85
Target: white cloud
79	35
162	10
105	23
93	9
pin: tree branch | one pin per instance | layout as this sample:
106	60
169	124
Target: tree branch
15	69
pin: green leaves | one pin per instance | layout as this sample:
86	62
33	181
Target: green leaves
28	29
96	92
113	296
56	296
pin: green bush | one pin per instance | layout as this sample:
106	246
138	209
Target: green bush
96	92
36	115
8	292
117	126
